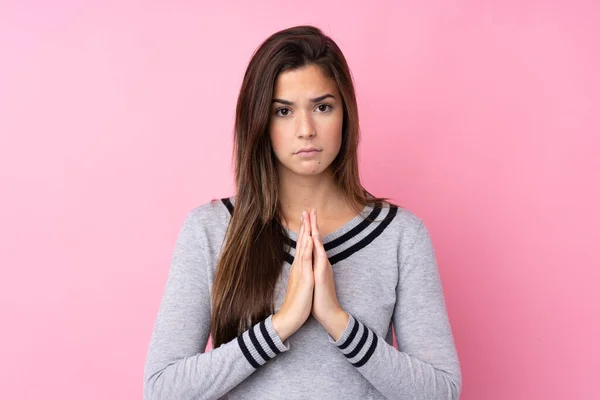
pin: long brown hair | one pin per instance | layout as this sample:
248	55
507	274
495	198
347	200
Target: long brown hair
255	243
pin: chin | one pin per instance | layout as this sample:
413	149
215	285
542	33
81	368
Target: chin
316	170
306	169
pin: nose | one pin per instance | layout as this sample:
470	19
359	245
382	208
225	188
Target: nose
305	127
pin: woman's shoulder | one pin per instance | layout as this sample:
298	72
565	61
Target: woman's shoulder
405	222
211	214
407	231
402	215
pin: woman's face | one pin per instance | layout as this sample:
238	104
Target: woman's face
306	112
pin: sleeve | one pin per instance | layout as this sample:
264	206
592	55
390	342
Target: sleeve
177	366
426	366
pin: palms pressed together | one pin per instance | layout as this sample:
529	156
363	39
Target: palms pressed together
325	306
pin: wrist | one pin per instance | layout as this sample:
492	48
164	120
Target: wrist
336	324
281	326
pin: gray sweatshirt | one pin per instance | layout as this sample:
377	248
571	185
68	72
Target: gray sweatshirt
385	275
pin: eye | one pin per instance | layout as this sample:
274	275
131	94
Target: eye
282	112
324	107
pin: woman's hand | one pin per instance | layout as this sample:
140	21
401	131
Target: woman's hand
297	304
325	306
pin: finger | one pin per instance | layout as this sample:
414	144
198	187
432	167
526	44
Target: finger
314	229
307	223
310	243
301	240
307	254
316	234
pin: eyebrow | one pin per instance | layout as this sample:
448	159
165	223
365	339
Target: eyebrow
315	100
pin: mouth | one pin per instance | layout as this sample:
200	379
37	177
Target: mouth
308	153
311	150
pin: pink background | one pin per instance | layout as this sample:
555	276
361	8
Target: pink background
116	120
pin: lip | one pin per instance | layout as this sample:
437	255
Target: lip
308	150
308	154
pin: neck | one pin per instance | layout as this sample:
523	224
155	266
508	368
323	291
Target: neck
298	192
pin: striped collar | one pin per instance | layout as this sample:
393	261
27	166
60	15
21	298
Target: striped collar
350	238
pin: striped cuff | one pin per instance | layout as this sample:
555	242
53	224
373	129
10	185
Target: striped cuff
261	343
357	342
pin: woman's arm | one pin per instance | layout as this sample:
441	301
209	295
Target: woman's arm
426	365
177	366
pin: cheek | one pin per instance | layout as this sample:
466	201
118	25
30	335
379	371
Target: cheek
331	133
276	138
279	142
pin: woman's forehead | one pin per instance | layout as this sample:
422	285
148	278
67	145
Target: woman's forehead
303	83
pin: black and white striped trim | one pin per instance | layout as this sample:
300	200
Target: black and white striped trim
357	343
350	242
261	343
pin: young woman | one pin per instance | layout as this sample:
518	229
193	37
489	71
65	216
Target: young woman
301	275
